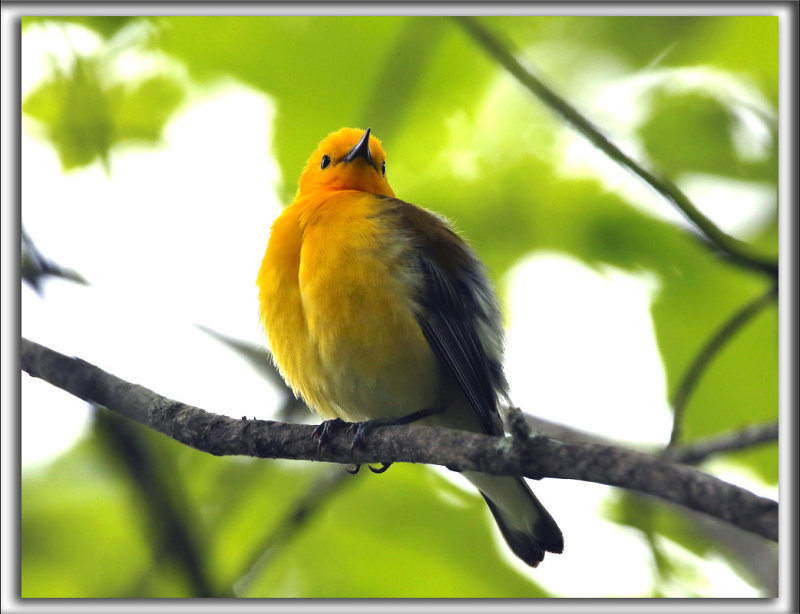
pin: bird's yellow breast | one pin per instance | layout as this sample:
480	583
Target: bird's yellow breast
336	295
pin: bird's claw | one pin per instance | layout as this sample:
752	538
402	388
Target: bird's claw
356	468
359	430
322	433
383	468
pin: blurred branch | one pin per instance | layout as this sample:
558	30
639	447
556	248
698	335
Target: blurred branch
169	523
690	455
35	266
729	442
708	352
737	251
535	457
330	483
259	359
745	551
556	430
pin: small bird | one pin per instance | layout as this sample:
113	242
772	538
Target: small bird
375	309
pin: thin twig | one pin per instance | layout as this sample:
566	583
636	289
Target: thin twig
729	442
536	458
290	407
708	352
736	250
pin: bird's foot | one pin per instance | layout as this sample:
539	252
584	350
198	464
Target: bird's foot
361	429
324	431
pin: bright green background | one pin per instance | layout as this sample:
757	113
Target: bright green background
88	522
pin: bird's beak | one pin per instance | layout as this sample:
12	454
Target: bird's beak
361	150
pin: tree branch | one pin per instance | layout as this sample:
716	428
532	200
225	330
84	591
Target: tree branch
536	458
737	251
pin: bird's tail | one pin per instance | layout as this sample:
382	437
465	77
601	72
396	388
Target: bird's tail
525	524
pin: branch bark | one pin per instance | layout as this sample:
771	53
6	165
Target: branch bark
534	457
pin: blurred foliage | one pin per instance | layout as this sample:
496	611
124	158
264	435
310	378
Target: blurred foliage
707	125
88	530
86	111
466	140
85	118
106	26
754	559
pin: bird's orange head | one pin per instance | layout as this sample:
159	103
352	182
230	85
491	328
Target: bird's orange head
348	159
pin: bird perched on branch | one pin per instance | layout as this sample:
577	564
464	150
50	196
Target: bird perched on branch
376	312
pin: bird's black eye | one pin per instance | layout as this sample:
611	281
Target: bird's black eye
383	168
326	160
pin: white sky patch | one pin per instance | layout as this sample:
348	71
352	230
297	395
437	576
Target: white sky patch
186	225
581	349
137	341
51	419
174	237
52	422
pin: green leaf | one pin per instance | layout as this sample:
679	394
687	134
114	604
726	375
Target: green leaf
141	112
84	118
75	111
695	133
691	132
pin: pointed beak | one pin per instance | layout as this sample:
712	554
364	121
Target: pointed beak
361	150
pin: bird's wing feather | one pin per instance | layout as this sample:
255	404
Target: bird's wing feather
451	310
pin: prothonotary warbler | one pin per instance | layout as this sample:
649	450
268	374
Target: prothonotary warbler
375	309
